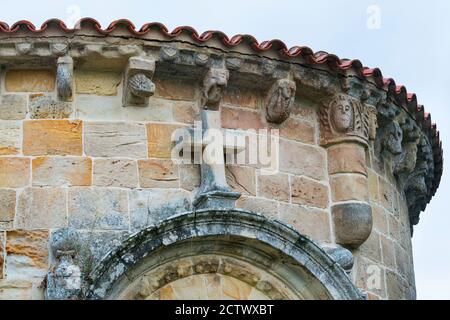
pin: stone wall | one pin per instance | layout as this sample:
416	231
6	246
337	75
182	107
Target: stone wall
105	170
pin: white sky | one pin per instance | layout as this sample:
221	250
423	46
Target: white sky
412	46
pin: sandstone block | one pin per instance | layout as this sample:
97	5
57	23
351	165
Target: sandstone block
14	172
396	287
13	107
26	254
189	176
298	130
371	248
10	137
98	208
349	187
302	159
370	276
45	107
346	158
21	290
59	171
237	118
380	222
158	173
394	231
352	223
159	139
387	195
274	187
30	80
115	139
148	207
185	112
372	179
269	208
241	179
242	98
173	89
41	208
309	192
102	83
7	208
115	173
388	249
52	137
2	255
310	222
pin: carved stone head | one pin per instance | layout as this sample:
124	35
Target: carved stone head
343	118
280	100
342	115
393	138
213	85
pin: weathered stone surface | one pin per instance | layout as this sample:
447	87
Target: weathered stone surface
174	89
13	107
102	83
10	137
370	276
62	171
311	222
30	80
274	187
115	173
372	179
98	208
269	208
115	139
2	254
148	207
52	137
158	173
395	286
349	187
298	130
387	195
41	208
26	254
393	227
189	176
185	112
159	139
45	107
380	220
241	179
237	118
388	250
7	208
371	248
352	223
309	192
346	158
14	172
301	159
21	290
242	98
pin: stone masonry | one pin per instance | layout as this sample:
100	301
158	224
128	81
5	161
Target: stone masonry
86	144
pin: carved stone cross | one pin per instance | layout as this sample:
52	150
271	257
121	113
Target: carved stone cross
214	191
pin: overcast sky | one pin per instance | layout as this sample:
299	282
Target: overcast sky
410	43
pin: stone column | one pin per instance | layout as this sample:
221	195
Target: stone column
344	131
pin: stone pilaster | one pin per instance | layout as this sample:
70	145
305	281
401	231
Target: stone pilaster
344	131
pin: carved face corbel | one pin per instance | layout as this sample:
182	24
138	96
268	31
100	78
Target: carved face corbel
280	100
214	84
343	118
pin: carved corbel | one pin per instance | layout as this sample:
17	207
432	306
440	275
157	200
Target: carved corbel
214	82
279	100
138	84
64	78
343	119
65	279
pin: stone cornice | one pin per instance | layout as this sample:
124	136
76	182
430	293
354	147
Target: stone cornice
405	138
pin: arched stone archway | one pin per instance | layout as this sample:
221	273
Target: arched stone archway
220	254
